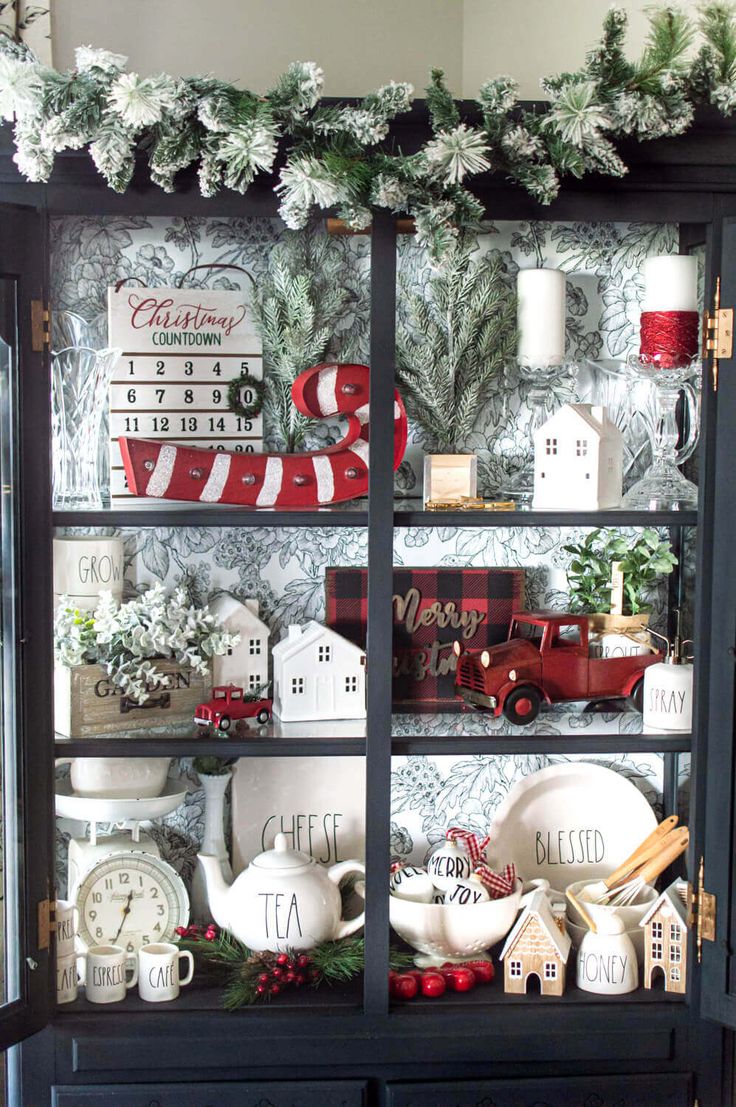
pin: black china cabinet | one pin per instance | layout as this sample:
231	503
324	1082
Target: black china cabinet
358	1046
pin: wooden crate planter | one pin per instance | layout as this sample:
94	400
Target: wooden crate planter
87	703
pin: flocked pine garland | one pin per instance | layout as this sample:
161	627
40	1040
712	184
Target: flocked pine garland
339	156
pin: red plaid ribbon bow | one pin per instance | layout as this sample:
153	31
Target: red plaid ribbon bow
498	885
473	846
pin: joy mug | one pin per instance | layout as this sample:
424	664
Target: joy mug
158	971
66	979
106	974
66	927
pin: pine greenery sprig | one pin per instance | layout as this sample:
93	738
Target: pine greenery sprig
241	972
301	300
340	157
454	343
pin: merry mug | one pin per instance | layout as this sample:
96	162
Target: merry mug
106	973
158	971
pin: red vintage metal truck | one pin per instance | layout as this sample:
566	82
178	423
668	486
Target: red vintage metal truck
230	703
545	660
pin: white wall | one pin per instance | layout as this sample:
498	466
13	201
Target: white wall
361	44
529	39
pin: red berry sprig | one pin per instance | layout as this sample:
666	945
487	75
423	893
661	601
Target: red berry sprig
284	971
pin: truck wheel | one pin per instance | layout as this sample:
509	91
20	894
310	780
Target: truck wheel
224	723
263	716
522	705
637	694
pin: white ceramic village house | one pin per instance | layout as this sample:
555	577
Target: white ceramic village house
536	946
665	939
317	674
245	665
578	460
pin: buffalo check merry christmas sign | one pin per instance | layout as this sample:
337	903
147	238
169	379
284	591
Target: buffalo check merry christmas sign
182	347
431	608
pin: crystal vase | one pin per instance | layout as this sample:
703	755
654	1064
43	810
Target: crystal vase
663	487
80	379
213	841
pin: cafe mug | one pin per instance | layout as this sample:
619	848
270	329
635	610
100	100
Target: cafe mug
66	927
66	979
158	971
106	974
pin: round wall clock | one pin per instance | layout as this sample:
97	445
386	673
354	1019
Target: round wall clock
130	899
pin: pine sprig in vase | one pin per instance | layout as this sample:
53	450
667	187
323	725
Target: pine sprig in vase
302	298
454	344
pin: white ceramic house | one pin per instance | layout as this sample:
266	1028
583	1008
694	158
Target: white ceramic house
317	674
246	664
578	460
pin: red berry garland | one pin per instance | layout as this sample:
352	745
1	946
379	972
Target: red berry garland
435	982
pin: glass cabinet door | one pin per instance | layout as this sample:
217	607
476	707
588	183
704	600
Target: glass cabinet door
25	799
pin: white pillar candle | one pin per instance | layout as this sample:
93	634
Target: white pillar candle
670	283
541	316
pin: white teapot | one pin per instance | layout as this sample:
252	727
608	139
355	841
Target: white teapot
284	900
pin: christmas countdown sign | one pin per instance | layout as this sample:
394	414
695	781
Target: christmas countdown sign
182	350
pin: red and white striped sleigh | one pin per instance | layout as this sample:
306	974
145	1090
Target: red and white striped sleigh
335	474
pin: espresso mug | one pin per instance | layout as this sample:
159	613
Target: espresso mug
66	927
66	979
106	974
158	971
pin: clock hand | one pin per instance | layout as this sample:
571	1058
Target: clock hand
126	912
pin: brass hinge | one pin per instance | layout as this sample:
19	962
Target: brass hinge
40	324
701	911
46	922
717	333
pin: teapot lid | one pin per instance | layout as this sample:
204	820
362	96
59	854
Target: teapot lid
281	856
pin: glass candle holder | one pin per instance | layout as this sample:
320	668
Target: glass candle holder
663	487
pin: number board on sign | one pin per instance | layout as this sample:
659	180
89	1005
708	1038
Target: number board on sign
182	347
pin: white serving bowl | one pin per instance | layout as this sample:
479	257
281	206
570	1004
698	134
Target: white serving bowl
119	777
577	933
630	915
442	932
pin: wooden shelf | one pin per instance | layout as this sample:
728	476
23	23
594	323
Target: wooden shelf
587	743
411	514
222	515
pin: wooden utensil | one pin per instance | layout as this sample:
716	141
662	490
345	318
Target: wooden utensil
589	922
600	890
649	872
653	851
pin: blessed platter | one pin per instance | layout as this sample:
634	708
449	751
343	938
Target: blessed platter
569	822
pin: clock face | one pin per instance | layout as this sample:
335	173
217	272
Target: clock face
130	900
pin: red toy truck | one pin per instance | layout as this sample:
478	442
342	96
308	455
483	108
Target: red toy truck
230	703
545	660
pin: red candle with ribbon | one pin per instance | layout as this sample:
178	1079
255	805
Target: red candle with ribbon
669	317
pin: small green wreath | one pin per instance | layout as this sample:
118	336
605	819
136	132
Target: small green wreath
234	393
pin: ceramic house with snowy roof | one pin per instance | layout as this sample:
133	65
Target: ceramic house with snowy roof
578	460
245	665
537	946
665	939
317	674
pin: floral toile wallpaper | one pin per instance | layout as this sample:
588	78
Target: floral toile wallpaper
284	567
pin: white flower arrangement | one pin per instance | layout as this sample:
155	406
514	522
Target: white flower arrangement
128	638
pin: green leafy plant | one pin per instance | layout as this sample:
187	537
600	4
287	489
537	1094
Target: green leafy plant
300	302
127	638
454	343
644	560
213	766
